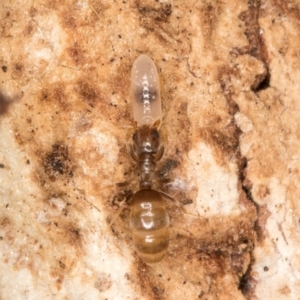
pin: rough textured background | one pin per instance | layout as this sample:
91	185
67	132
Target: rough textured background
230	74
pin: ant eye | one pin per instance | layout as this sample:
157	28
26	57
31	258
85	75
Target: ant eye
154	134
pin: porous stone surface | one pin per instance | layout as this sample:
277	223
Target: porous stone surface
229	75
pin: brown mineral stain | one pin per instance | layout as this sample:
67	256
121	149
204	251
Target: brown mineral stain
290	9
57	162
147	282
209	15
262	191
224	234
4	222
98	9
55	94
240	262
28	30
224	76
285	290
77	54
73	236
154	16
58	276
171	135
32	12
119	82
224	141
56	5
153	11
67	238
18	69
83	124
88	92
69	21
263	216
74	19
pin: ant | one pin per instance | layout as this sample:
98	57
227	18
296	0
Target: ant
149	220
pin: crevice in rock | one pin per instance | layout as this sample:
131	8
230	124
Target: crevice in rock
246	282
256	47
264	84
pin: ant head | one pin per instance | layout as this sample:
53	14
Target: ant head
146	140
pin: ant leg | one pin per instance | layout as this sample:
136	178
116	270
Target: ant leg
120	209
118	185
158	122
179	204
160	153
127	126
131	152
164	180
117	214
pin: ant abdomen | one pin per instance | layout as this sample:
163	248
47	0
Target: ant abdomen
149	222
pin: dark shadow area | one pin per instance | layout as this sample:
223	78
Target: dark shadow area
247	283
264	84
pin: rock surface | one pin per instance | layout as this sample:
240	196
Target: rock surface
230	76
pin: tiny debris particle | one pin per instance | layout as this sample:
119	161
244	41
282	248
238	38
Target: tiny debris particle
61	264
187	201
103	282
155	289
18	67
2	166
266	269
4	69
